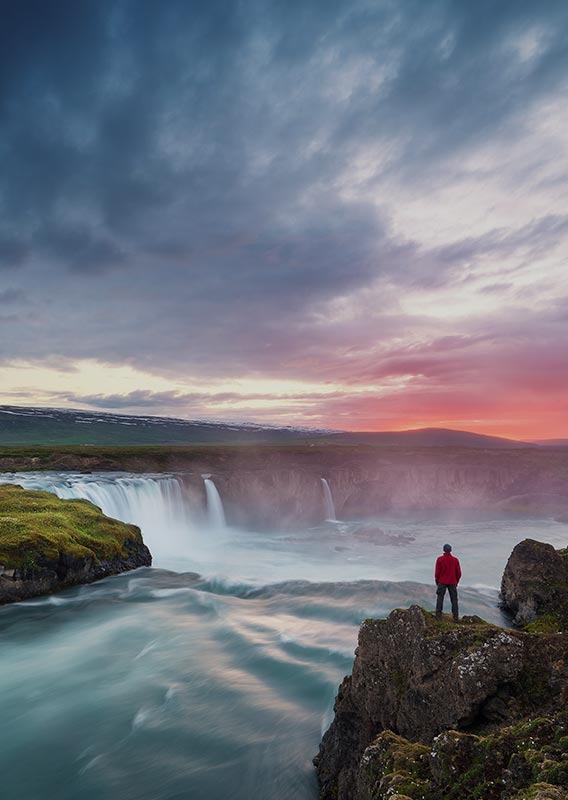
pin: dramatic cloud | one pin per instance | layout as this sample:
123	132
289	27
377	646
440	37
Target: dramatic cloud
363	196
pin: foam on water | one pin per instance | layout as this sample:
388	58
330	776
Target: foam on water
390	549
213	674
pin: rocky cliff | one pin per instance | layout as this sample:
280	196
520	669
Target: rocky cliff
534	588
280	486
435	710
47	544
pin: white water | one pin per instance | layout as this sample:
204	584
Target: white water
328	501
162	684
156	503
388	549
215	509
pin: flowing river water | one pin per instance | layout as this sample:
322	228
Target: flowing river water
212	675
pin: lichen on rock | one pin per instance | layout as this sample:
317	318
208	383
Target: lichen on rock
459	765
434	710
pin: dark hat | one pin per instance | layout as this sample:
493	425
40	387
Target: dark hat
447	548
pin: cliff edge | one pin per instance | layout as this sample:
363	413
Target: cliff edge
436	710
48	544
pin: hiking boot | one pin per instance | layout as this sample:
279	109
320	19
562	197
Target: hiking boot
438	615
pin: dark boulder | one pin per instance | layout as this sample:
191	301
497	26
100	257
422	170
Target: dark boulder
535	584
47	576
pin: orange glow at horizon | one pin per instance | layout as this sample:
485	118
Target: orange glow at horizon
511	429
527	410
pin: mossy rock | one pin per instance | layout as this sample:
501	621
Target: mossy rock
526	761
47	543
445	623
395	767
541	791
37	526
548	623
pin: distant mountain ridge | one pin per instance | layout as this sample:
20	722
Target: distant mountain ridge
430	437
551	442
22	425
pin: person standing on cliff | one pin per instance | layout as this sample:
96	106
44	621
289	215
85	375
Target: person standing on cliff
447	576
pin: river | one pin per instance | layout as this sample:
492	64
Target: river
212	675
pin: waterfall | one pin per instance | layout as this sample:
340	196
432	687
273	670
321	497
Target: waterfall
215	509
328	502
155	503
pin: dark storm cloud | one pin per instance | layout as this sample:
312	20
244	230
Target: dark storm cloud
195	159
142	398
188	402
462	76
81	249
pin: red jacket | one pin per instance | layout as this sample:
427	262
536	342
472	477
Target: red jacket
448	570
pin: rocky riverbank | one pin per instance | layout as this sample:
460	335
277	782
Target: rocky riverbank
47	544
436	710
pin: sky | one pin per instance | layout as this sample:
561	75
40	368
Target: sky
350	214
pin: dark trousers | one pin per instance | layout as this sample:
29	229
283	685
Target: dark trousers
441	591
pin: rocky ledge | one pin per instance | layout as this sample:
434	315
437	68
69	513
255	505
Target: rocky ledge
48	544
438	711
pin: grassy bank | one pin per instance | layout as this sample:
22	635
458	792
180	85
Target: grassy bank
37	528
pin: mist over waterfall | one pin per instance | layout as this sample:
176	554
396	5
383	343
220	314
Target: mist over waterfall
177	522
182	520
131	499
215	510
226	655
328	502
156	504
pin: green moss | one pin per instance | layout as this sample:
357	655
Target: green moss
470	784
554	772
399	750
540	726
38	527
526	759
541	791
446	623
394	766
533	685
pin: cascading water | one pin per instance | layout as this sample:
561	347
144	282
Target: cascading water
328	502
220	684
156	504
215	510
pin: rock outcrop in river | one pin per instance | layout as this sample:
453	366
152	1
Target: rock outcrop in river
436	710
47	544
534	588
